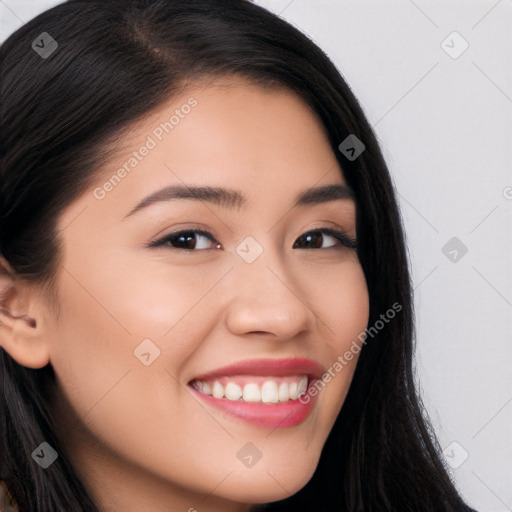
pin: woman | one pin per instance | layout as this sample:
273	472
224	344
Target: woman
205	296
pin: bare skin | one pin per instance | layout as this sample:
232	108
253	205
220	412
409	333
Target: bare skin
139	436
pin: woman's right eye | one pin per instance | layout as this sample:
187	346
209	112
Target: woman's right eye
187	240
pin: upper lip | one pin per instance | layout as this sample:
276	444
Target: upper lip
268	368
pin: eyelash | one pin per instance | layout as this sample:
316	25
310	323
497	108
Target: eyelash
342	237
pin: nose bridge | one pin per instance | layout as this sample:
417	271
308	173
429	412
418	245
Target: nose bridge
263	295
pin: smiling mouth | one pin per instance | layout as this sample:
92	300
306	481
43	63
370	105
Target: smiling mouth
255	389
263	392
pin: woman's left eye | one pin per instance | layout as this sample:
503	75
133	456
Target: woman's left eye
188	240
317	236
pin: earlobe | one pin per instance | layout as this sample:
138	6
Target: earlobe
21	320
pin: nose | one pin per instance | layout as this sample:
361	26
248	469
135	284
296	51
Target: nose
264	298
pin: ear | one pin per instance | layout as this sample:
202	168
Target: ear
22	319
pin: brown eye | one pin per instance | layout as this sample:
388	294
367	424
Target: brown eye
187	240
315	238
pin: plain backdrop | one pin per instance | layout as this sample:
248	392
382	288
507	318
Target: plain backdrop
435	80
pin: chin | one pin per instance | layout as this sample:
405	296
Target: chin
265	485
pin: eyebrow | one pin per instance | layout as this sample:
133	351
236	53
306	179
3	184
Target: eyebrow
231	198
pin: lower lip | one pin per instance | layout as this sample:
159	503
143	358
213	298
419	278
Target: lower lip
279	415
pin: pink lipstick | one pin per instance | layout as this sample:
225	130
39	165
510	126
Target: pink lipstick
264	392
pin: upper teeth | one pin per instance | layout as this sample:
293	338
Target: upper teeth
255	389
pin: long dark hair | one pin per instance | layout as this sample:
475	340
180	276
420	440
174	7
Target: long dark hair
117	60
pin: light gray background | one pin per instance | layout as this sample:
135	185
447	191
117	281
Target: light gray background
445	127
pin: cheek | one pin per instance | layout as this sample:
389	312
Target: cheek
341	302
148	293
106	312
91	347
129	408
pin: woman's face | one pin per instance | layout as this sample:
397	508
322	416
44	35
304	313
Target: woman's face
154	329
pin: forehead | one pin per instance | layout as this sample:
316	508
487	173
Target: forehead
231	120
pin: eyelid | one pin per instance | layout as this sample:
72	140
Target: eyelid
336	233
